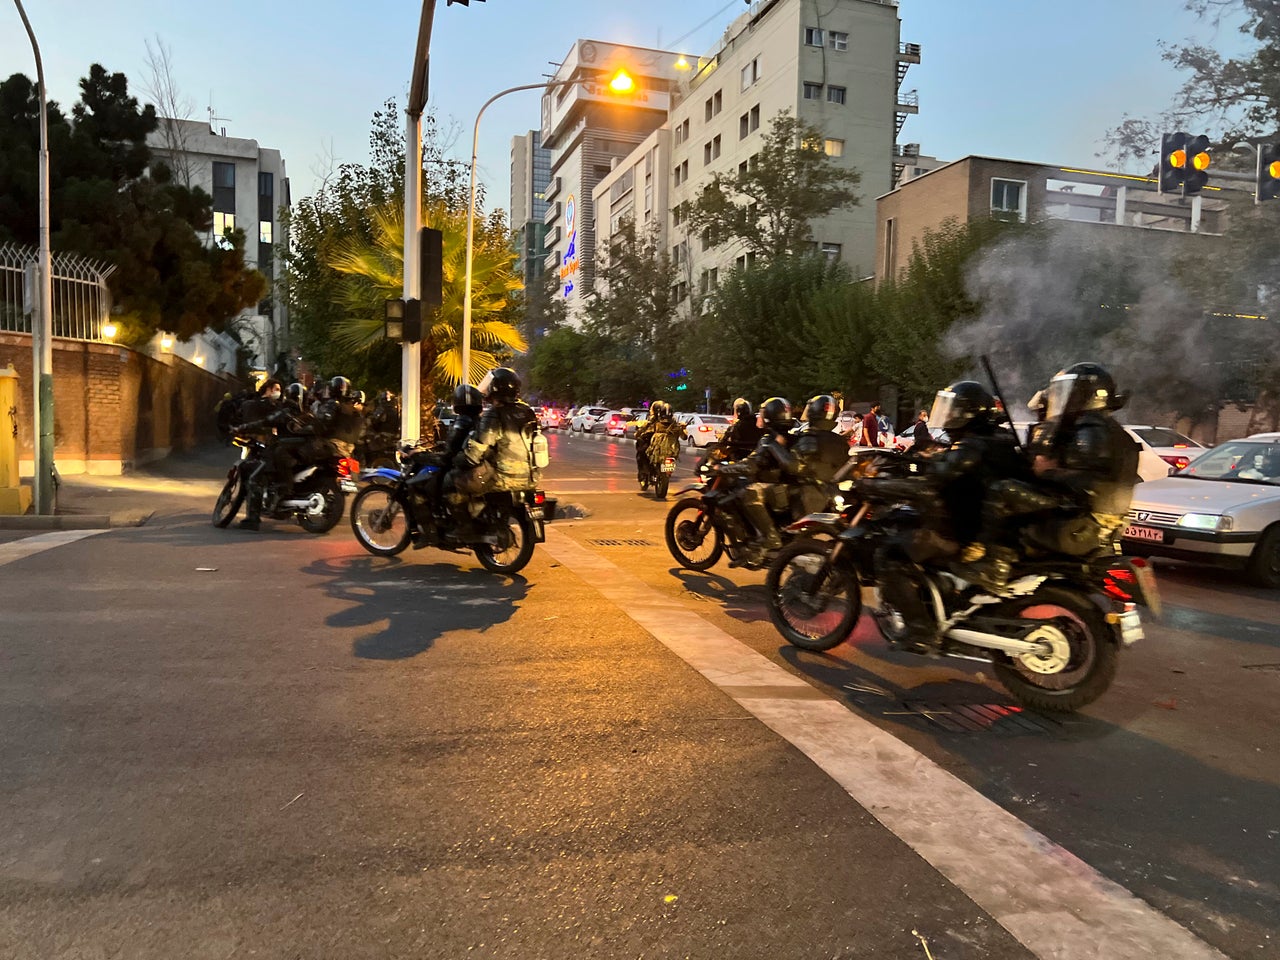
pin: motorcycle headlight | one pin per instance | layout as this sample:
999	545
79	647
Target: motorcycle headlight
1204	521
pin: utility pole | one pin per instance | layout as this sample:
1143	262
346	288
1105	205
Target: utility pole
42	315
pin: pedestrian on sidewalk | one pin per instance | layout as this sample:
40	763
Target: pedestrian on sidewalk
871	426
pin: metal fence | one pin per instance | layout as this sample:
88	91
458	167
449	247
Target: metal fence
81	300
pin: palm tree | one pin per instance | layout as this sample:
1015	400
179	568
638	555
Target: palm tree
375	265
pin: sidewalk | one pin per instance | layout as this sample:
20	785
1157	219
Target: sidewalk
92	503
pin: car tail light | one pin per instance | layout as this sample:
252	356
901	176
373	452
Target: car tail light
704	429
348	467
1175	460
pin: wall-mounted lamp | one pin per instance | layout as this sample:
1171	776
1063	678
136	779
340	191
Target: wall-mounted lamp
166	342
109	330
198	360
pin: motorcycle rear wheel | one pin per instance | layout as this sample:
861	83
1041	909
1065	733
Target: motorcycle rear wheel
229	501
334	505
379	521
660	486
516	556
685	536
807	619
1093	653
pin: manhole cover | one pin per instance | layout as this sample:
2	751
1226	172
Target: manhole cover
1272	667
620	543
978	717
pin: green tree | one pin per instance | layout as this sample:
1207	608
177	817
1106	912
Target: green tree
769	206
110	201
561	367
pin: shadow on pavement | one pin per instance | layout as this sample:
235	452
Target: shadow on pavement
427	601
745	603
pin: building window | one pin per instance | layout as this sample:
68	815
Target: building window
755	118
715	277
742	169
812	91
224	186
813	37
682	172
888	247
677	215
839	41
1008	199
745	262
753	162
222	222
744	126
834	148
266	196
681	291
706	153
750	73
264	231
835	94
713	105
831	251
711	150
683	131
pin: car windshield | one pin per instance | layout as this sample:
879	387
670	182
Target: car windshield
1239	460
1163	437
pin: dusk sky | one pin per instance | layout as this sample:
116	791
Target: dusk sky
1014	78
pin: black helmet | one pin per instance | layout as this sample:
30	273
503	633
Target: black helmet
1081	387
386	396
659	410
296	394
339	387
962	406
357	397
776	413
467	398
742	409
500	383
821	412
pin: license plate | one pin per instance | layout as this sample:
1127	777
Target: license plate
1130	627
1150	534
535	513
668	468
348	486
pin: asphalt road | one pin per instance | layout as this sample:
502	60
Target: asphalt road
222	744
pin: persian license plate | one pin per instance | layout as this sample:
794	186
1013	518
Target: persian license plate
348	486
1130	627
668	468
535	513
1149	534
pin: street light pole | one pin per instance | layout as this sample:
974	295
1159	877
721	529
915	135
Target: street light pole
411	353
621	83
42	316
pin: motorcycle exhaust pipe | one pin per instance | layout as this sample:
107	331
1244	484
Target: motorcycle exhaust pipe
308	504
993	641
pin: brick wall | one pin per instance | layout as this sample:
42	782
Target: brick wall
114	407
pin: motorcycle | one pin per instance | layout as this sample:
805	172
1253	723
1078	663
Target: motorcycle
659	464
700	529
319	492
1052	635
402	506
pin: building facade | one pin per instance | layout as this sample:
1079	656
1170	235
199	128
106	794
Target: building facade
530	174
589	129
249	187
637	189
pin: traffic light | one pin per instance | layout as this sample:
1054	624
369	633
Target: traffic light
431	263
1197	169
413	321
1268	185
1173	162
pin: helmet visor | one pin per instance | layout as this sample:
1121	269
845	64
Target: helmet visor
944	411
1060	397
485	385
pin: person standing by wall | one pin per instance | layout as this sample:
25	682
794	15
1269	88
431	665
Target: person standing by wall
871	426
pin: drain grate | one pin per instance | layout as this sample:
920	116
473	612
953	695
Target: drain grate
978	717
621	543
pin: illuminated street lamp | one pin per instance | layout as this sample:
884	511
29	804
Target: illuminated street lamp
621	84
109	330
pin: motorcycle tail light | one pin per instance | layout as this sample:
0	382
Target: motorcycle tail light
348	467
1119	583
539	498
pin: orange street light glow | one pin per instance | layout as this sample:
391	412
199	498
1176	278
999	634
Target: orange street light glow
622	82
1178	159
1201	161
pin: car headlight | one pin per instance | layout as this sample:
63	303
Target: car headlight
1205	521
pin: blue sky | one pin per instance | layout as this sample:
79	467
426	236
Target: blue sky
1018	78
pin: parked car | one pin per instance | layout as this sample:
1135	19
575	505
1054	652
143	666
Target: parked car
1222	508
585	419
614	423
846	422
638	419
704	429
1173	449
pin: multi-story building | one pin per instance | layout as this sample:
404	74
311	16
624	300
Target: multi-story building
249	188
530	174
637	189
837	65
588	129
979	187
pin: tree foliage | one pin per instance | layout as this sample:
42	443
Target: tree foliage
768	207
109	201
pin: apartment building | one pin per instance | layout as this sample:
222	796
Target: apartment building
838	65
589	129
530	174
637	189
976	187
249	187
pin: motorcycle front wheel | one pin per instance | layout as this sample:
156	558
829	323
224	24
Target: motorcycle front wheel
515	554
809	614
694	540
229	501
379	521
1083	659
329	517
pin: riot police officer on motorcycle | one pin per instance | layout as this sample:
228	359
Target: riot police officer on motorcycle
338	418
740	440
770	465
290	439
820	451
496	455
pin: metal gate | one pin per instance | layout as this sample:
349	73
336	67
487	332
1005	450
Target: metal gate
81	300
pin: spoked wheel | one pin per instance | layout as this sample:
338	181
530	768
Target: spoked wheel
379	521
329	515
514	550
1081	657
693	539
229	501
812	609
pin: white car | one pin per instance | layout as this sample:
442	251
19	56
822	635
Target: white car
704	429
586	418
1223	508
1162	448
614	423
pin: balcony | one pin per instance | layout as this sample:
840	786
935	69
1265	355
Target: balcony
553	212
553	189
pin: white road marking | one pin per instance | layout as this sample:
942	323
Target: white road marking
1055	904
30	546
